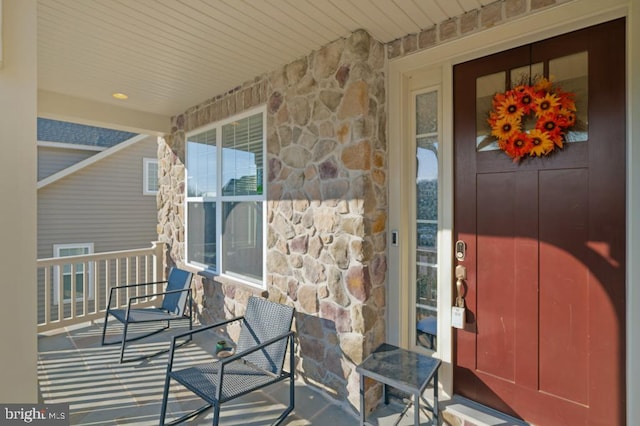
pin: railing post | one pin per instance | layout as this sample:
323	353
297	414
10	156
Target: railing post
159	260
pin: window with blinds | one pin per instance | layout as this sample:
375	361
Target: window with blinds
225	197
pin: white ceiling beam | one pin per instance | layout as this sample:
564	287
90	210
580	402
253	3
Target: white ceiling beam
57	106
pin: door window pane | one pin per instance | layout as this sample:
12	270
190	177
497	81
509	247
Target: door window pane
486	87
567	73
571	74
526	75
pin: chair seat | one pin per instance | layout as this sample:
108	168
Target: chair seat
239	377
142	315
428	325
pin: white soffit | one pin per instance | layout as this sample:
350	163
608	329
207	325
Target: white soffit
169	55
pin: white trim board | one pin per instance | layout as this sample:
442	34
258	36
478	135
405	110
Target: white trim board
89	161
75	146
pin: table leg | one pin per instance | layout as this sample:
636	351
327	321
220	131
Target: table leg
361	400
435	398
416	409
385	394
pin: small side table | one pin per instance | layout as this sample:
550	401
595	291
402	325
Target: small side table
401	369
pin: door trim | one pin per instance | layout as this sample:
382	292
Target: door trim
559	20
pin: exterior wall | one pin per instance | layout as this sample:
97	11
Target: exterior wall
51	160
327	204
101	204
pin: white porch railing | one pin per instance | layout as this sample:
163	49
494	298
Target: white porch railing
75	289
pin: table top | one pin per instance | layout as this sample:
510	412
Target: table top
399	367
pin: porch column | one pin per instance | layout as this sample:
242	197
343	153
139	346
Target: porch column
18	106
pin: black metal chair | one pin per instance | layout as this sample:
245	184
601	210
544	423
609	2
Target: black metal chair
174	307
258	361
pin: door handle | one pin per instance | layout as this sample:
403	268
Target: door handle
461	275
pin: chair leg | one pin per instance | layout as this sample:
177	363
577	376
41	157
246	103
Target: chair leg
124	341
292	385
292	374
216	414
165	397
104	327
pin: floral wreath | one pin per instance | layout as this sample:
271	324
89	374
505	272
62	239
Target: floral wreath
555	112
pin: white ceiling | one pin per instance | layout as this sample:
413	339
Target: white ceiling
168	55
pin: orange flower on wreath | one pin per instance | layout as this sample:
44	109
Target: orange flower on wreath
518	145
551	124
553	109
525	96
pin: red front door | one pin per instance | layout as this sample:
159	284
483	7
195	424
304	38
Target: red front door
545	288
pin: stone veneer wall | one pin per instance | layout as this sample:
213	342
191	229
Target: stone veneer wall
471	22
327	205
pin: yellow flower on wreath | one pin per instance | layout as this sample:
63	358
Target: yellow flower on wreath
505	127
542	143
546	104
510	108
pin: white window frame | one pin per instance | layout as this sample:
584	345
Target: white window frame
146	176
56	271
219	199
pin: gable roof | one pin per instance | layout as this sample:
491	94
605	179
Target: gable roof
89	161
79	134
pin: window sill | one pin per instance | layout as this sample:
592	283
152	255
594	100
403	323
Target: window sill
228	280
206	273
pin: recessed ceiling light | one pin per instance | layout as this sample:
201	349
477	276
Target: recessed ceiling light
120	96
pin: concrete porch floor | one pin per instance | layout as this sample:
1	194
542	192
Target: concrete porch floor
74	368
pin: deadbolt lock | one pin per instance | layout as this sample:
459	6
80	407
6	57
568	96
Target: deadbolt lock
461	250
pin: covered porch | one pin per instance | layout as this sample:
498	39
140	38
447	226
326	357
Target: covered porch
74	369
72	366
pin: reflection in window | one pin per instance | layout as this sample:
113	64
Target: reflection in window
426	291
242	239
202	161
201	233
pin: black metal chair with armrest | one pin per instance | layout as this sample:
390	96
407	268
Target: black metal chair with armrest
258	361
174	307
